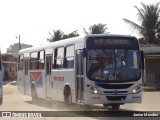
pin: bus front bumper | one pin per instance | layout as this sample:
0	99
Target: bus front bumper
91	98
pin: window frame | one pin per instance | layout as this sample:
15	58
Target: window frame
35	67
21	62
57	66
72	55
41	61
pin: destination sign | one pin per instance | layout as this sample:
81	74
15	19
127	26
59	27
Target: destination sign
110	41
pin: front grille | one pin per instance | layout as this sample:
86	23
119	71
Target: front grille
116	98
115	86
113	92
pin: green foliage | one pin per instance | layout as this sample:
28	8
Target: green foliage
151	87
142	41
149	23
93	29
96	29
14	49
59	35
70	35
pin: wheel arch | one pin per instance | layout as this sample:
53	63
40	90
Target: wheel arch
67	90
33	87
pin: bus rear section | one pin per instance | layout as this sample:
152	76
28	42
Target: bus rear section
113	71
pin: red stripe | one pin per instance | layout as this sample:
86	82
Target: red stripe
36	75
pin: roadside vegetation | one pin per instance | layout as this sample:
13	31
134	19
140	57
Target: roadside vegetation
151	87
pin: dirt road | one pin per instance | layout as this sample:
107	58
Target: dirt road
15	101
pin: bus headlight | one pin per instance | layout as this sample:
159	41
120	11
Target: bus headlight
136	89
94	90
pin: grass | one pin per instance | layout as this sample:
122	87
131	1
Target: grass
151	87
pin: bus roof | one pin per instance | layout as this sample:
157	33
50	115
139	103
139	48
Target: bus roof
64	42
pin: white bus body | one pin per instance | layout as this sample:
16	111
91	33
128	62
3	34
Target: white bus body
63	71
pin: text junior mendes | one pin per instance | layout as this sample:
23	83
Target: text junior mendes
145	115
26	114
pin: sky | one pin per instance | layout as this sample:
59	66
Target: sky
33	19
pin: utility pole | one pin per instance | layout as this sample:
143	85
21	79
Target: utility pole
19	38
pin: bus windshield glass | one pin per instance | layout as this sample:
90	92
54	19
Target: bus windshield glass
114	65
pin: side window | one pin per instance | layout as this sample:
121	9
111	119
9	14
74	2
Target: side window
69	58
41	60
26	62
20	62
59	57
34	61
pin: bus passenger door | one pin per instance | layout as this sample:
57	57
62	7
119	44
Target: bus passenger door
48	64
79	76
26	77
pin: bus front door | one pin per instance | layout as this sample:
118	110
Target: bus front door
79	76
48	64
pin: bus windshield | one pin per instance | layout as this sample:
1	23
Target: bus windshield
114	65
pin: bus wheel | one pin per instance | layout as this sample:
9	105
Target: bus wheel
115	106
34	95
68	97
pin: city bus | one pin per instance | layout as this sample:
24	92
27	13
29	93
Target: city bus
93	69
1	82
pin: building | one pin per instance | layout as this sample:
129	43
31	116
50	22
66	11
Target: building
9	68
151	65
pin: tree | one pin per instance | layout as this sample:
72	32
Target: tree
70	35
57	35
149	27
96	29
14	49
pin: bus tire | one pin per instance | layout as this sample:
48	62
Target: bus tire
34	95
115	106
67	96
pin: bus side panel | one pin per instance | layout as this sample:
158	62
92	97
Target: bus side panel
37	78
60	78
21	81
